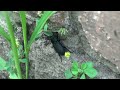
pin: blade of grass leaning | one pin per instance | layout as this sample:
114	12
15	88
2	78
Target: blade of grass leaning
24	28
4	34
13	45
38	28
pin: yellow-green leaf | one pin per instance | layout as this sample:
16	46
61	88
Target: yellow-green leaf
83	76
68	74
13	76
91	72
2	64
74	68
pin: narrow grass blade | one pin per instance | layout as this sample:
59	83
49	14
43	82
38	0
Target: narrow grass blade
13	45
2	64
24	28
41	22
4	34
13	76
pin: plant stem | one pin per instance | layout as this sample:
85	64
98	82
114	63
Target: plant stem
23	20
38	28
13	45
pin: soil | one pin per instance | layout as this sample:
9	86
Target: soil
45	63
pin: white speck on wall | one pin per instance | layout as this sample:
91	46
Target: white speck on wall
96	49
99	28
108	37
98	12
95	17
98	43
86	32
117	67
92	47
103	78
93	36
79	18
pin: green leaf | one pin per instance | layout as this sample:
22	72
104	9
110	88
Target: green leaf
48	33
74	68
75	77
13	76
13	43
89	64
80	70
9	64
4	34
83	76
9	69
23	60
83	66
23	20
40	25
91	72
68	74
45	27
37	21
24	28
62	31
2	64
74	72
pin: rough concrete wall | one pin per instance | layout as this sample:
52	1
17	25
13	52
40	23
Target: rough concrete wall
102	29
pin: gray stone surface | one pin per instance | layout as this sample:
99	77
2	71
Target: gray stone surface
102	30
47	62
4	53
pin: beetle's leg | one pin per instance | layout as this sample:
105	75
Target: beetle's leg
60	57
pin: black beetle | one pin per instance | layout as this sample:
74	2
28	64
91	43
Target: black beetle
57	44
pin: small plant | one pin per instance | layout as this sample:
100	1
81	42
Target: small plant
13	65
8	66
81	71
62	31
45	30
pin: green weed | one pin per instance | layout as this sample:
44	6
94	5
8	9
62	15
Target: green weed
8	66
79	71
62	31
46	32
